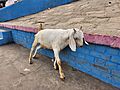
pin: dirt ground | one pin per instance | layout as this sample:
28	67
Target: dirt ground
96	17
17	74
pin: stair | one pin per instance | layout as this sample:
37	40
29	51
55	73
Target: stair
5	36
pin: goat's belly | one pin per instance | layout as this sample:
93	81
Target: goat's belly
46	46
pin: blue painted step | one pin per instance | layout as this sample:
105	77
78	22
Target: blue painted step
26	7
5	36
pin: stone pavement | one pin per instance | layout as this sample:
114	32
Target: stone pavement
96	17
17	74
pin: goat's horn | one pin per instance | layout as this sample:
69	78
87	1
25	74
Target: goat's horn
74	30
85	42
80	27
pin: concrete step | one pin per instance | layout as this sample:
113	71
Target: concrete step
5	36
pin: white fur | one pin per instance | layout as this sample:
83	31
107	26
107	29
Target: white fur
57	39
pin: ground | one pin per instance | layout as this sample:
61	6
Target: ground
17	74
96	17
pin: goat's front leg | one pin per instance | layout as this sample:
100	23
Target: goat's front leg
56	53
32	50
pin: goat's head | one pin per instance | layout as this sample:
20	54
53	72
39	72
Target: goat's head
76	38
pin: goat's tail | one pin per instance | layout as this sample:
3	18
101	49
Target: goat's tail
40	27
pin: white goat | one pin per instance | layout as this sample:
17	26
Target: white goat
57	39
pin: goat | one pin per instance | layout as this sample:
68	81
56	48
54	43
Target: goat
57	39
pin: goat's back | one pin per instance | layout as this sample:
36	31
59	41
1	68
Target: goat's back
52	34
48	37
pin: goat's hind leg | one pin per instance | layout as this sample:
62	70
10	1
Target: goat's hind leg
34	55
55	64
32	49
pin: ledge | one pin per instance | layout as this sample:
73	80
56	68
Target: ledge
112	41
27	7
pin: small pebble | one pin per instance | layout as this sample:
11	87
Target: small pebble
26	70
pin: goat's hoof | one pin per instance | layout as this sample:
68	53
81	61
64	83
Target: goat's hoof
56	67
30	62
62	77
35	57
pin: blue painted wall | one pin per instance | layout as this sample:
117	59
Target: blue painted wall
5	37
102	62
1	35
27	7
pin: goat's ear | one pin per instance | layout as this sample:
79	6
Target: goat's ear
72	43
